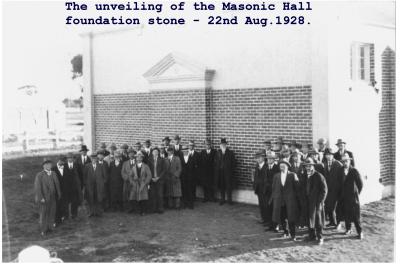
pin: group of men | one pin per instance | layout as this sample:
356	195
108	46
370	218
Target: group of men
141	179
303	189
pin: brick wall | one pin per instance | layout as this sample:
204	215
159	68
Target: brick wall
245	117
387	126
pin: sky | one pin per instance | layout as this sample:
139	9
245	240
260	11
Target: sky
37	49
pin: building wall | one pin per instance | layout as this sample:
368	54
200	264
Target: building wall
387	119
245	117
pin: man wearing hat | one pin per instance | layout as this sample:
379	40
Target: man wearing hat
342	150
110	157
124	152
190	168
352	185
333	170
166	142
267	146
174	170
259	179
81	161
138	147
126	171
73	192
47	192
224	166
207	156
177	146
277	145
322	147
103	147
157	167
316	191
147	151
61	205
272	169
116	183
314	154
283	199
94	177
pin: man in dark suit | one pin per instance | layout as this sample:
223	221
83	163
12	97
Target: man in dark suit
342	150
73	192
94	177
283	199
207	156
333	170
316	191
166	142
298	168
189	174
106	169
158	169
81	161
259	179
177	146
103	148
272	169
124	152
267	146
147	151
224	164
322	148
61	205
314	154
352	185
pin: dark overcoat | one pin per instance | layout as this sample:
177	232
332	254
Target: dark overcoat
73	193
207	167
316	190
126	172
332	178
270	178
352	185
46	187
224	165
174	170
285	196
94	182
260	177
81	167
161	168
116	182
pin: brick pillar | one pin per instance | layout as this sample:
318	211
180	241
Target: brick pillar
387	120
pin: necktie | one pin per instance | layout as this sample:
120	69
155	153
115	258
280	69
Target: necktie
155	168
329	166
94	167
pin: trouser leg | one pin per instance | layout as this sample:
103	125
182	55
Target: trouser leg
51	213
347	224
177	202
74	208
284	222
292	229
357	224
43	218
159	197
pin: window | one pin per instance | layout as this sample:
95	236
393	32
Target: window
362	63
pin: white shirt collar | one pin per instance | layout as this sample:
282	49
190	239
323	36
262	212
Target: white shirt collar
261	165
139	165
283	177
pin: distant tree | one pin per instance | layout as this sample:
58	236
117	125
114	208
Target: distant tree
76	66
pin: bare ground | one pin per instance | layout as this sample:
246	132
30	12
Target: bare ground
210	233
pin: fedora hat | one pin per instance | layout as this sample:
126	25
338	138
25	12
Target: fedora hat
103	145
329	151
223	141
322	141
340	141
113	146
260	153
177	137
346	157
131	150
46	161
84	148
70	155
139	153
124	146
313	151
284	162
309	161
166	138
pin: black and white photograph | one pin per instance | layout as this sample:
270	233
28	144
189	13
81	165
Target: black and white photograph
240	131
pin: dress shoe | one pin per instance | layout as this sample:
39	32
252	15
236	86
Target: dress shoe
338	227
348	232
230	202
294	238
360	236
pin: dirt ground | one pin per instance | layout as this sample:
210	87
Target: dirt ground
209	233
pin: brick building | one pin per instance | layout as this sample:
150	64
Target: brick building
250	84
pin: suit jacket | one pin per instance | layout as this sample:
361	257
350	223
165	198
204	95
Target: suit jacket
125	173
161	168
191	168
62	181
179	152
260	177
94	181
333	177
338	157
225	165
270	178
207	166
116	181
81	166
46	187
72	183
316	191
352	184
147	155
285	195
